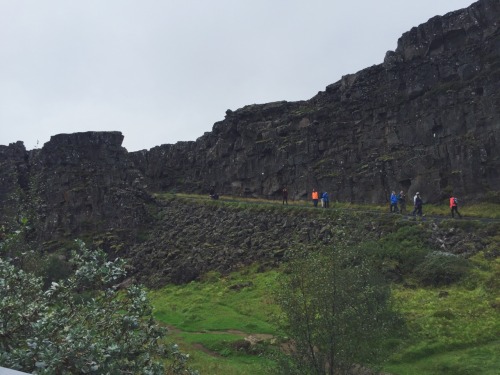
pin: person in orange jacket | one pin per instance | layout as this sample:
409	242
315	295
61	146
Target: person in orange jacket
315	197
454	207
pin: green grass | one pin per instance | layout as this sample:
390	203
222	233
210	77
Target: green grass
215	305
232	364
212	316
475	210
453	329
479	359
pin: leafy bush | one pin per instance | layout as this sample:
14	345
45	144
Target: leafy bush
336	311
440	268
56	331
397	254
55	268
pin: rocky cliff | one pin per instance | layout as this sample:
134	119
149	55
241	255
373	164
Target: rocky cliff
77	183
426	119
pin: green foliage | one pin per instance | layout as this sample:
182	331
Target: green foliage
398	253
57	331
448	328
440	269
54	269
336	312
472	360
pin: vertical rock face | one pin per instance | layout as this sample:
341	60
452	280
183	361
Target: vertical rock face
426	119
85	182
14	181
77	182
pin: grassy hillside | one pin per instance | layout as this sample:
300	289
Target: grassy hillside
451	302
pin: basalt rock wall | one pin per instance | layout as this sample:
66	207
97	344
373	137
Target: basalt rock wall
77	183
427	119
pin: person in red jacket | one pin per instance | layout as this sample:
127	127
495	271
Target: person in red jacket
454	207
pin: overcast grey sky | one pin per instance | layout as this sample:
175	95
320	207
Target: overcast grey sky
166	71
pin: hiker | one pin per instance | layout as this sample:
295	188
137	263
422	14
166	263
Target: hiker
394	202
325	199
315	197
213	194
454	207
285	196
402	201
418	205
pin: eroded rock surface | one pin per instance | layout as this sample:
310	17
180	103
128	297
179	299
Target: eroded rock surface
426	119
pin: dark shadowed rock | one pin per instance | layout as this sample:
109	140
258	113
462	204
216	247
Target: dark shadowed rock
426	120
86	183
14	181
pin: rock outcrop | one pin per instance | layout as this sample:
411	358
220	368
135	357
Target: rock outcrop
77	183
427	119
14	181
191	238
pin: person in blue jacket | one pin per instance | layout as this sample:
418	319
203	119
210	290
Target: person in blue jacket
394	202
326	199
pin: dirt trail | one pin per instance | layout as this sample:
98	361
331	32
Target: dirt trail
252	338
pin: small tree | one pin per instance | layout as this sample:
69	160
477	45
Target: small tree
81	324
336	310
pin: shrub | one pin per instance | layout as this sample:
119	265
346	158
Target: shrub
336	311
399	253
56	331
439	268
55	268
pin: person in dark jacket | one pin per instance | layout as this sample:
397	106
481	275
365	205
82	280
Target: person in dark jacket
285	196
454	207
418	205
402	202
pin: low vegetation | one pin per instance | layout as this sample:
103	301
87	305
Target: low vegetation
440	310
450	302
450	330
